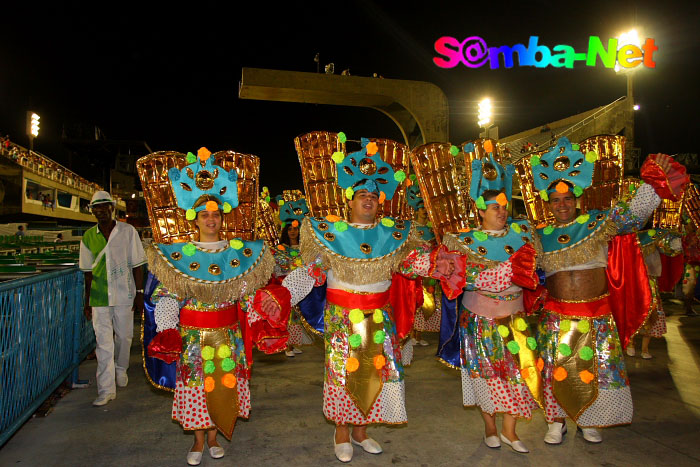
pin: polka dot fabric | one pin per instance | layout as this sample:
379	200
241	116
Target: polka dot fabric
658	329
431	324
166	314
495	395
389	407
612	407
190	405
407	353
496	279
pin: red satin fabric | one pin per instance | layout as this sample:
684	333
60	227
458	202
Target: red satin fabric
451	286
166	346
362	301
533	299
628	283
270	333
221	318
671	272
667	185
594	309
406	296
523	263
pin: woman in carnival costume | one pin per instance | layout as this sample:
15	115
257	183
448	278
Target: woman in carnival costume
497	350
287	259
362	322
593	290
208	312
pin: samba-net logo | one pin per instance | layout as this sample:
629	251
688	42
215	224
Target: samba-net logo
473	52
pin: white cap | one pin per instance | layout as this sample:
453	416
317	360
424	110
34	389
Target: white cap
101	197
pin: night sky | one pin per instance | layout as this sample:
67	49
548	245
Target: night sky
170	76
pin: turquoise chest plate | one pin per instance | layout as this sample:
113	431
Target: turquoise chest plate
371	242
497	247
558	238
225	264
424	232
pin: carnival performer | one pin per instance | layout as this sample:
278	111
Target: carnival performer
287	259
654	242
691	258
363	374
498	350
208	312
584	369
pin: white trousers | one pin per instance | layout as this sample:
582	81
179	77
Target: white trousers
114	330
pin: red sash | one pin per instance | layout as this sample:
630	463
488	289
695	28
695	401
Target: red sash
594	309
351	300
221	318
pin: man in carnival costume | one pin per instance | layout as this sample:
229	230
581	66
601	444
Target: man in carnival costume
583	366
362	324
211	304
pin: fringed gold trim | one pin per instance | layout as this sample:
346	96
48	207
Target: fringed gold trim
452	242
185	286
143	358
449	365
353	270
309	328
580	252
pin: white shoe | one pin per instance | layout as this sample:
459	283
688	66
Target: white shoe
555	433
412	341
103	399
492	441
296	351
369	445
122	380
194	458
216	452
646	355
630	351
289	353
343	451
517	446
592	435
423	343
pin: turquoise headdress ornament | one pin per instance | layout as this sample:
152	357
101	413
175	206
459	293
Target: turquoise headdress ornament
414	197
293	211
490	175
561	167
202	180
365	170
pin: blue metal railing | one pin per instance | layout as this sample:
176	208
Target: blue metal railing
43	338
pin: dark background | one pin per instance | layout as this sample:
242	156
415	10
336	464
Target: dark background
169	76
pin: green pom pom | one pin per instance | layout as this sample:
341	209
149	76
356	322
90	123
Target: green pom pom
534	161
400	176
190	214
349	192
191	158
281	203
481	236
227	364
293	253
480	203
379	337
412	177
356	316
387	222
583	326
651	232
432	281
284	224
338	157
532	343
516	227
544	195
583	218
227	208
355	340
632	188
454	150
513	347
503	330
207	352
267	199
236	244
189	249
224	351
340	226
586	353
565	325
520	324
564	349
578	191
548	230
429	225
341	137
591	156
378	316
209	367
575	147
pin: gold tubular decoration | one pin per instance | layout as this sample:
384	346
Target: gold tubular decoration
365	384
572	392
443	195
229	290
691	205
266	227
222	401
292	195
352	270
607	173
397	155
168	222
537	210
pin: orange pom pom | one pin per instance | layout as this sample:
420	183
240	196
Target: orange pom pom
560	373
382	197
464	230
542	225
211	206
281	247
295	223
332	218
203	153
409	182
540	364
561	187
372	148
501	199
379	362
525	373
488	146
586	376
229	380
209	384
352	364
